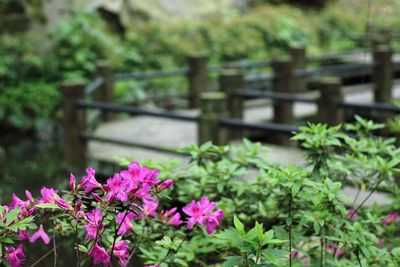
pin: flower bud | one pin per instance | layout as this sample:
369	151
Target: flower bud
72	182
167	184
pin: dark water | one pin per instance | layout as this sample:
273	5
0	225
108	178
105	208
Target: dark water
29	164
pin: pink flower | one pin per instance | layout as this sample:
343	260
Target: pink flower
174	220
23	235
213	221
294	254
15	256
17	202
89	182
95	223
29	196
166	184
393	217
334	250
47	195
116	188
99	255
149	208
380	243
200	212
126	225
139	180
62	203
352	215
121	251
40	234
72	182
97	198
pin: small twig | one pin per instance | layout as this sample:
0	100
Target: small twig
116	230
45	255
169	250
358	256
54	248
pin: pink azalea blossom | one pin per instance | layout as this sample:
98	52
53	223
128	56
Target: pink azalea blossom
201	213
126	224
23	235
393	217
62	203
15	256
89	181
116	188
121	251
17	202
174	220
294	254
95	223
99	255
40	234
334	250
149	208
47	195
166	184
139	180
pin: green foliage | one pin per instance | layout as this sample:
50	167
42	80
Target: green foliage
305	207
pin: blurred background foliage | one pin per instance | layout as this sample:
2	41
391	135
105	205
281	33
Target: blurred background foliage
35	58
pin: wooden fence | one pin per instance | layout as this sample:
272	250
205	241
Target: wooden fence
221	112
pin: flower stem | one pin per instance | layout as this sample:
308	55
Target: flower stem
290	229
116	234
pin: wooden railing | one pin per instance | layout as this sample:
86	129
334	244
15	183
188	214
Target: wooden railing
221	113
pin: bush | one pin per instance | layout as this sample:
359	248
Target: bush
298	215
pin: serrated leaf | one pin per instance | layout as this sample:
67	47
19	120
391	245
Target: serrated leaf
12	215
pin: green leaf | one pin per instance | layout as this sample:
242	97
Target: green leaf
238	225
83	249
232	261
47	206
12	216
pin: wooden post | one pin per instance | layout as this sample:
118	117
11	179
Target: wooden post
299	61
106	92
231	80
198	78
213	108
74	123
382	74
331	95
283	83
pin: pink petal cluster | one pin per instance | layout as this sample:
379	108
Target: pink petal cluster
99	255
47	195
125	222
201	212
175	217
334	250
95	223
15	256
40	234
121	251
392	217
89	181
